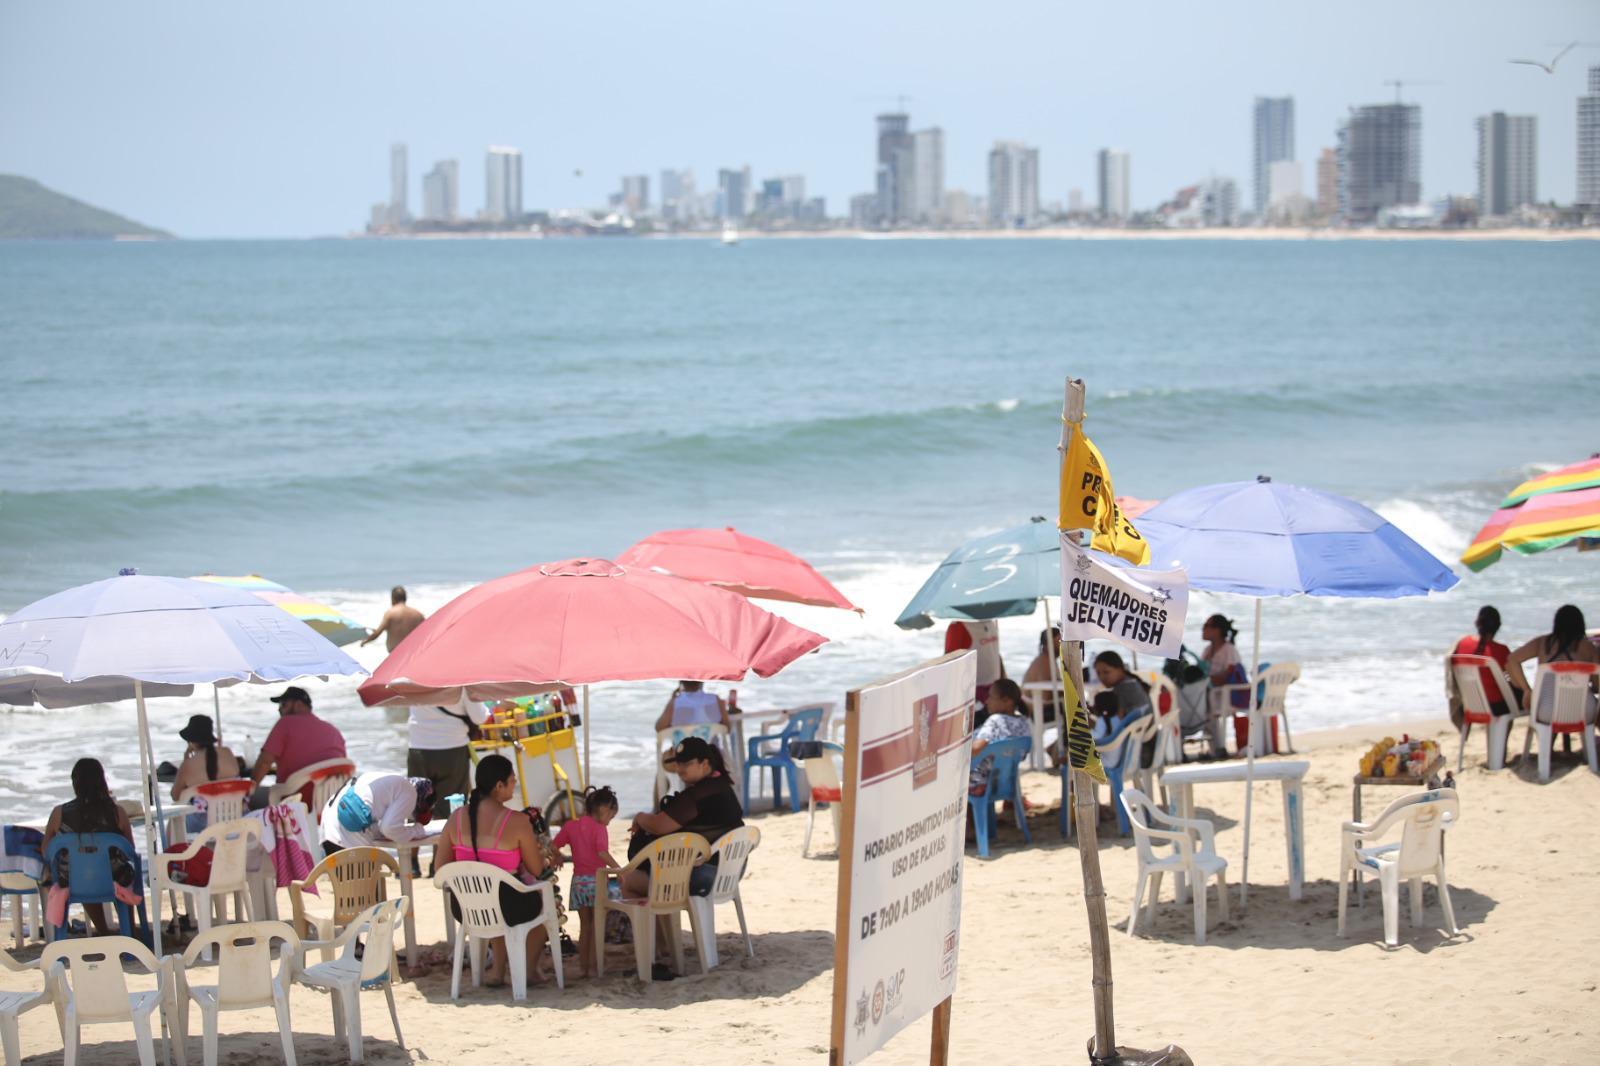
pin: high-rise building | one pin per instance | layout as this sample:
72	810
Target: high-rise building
678	200
1013	184
1507	162
927	183
1074	201
502	200
733	193
399	179
1115	171
1328	183
863	210
1274	141
1380	161
794	191
636	193
1589	142
896	169
441	192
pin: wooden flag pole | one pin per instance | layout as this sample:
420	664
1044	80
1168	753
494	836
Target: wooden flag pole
1086	810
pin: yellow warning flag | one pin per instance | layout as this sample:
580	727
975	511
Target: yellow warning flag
1089	502
1080	750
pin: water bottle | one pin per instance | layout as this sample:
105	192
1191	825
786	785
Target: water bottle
733	701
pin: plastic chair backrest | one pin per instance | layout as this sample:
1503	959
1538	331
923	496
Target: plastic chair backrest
231	844
244	960
822	771
357	876
94	974
476	888
1425	816
802	724
733	849
1275	682
1004	758
380	921
89	863
1466	669
1562	693
225	799
325	778
672	859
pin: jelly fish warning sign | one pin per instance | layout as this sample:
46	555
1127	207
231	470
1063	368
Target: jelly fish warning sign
1139	609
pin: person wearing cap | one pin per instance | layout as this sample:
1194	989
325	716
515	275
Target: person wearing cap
375	809
204	760
708	805
298	739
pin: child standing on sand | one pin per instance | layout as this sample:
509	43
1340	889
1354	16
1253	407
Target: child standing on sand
589	842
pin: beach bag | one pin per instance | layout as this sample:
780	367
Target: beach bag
1238	699
354	813
193	871
1185	669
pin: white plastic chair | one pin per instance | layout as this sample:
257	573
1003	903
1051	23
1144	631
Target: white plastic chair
225	802
1194	855
347	976
1167	703
1423	818
672	859
14	1004
1465	673
667	739
827	786
326	778
733	850
476	888
1563	702
244	979
1275	681
91	988
21	893
231	844
356	878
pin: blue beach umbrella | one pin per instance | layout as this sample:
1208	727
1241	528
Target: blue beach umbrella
134	636
1267	538
1001	575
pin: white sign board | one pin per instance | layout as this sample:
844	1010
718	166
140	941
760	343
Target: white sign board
1139	608
907	751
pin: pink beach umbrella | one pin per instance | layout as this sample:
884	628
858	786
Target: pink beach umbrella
738	562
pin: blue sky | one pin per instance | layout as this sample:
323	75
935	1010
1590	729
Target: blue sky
275	119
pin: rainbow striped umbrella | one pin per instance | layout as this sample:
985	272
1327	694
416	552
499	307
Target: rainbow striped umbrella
338	628
1542	513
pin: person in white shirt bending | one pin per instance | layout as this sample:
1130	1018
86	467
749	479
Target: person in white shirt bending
375	809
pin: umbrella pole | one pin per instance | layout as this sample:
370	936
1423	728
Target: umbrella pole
585	775
147	789
1250	756
216	710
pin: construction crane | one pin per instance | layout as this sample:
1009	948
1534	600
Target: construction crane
1400	84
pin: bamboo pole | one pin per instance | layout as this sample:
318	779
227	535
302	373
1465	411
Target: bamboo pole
1086	810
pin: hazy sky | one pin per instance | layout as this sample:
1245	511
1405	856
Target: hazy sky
221	119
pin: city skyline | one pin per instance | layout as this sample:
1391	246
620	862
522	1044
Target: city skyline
224	144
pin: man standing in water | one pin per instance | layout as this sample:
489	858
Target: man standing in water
398	621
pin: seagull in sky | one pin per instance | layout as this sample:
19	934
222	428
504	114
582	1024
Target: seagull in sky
1550	67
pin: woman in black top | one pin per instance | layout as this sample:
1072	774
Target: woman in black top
91	810
708	805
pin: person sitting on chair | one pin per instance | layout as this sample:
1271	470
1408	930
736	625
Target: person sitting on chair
708	805
91	810
1008	718
1124	701
204	761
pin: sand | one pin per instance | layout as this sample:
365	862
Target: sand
1275	984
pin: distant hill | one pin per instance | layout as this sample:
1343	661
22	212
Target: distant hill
29	211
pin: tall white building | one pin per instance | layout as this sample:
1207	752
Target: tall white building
927	182
1286	179
636	193
441	192
1013	184
502	200
1589	142
1274	142
1507	162
1115	173
679	202
399	179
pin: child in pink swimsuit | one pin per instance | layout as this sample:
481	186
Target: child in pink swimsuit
589	842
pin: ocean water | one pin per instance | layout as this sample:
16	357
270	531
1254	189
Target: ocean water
341	416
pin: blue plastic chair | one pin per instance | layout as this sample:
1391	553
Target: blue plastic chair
801	725
1131	754
1005	784
89	877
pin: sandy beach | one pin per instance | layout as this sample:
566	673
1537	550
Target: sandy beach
1275	983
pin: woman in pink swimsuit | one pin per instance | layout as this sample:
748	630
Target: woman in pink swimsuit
486	830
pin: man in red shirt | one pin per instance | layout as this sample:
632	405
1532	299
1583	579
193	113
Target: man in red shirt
298	739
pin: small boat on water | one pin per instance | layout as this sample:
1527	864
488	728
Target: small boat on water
730	233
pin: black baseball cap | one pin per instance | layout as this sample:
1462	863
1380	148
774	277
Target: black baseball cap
694	749
294	692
